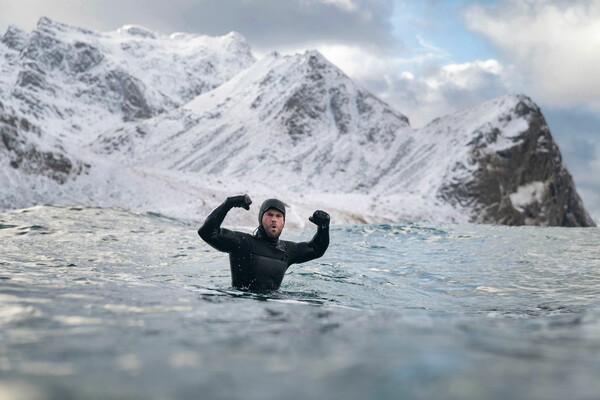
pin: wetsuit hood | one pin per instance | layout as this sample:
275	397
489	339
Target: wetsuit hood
270	203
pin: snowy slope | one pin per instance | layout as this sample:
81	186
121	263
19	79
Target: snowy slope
296	121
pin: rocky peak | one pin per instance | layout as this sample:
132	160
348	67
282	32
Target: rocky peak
300	103
48	50
52	27
518	175
121	76
70	84
321	91
15	38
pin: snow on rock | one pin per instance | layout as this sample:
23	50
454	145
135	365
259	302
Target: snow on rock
527	194
15	38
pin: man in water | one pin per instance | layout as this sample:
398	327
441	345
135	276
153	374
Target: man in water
259	261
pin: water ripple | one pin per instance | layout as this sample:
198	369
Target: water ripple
91	296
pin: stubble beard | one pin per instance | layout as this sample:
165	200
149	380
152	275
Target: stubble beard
273	233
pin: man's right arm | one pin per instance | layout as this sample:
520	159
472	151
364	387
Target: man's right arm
211	231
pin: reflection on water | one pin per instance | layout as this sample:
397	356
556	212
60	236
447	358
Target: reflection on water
98	303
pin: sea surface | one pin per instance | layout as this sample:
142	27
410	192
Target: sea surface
108	304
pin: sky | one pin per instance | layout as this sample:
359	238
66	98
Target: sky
426	58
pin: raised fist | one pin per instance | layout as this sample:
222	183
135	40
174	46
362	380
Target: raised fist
320	218
243	201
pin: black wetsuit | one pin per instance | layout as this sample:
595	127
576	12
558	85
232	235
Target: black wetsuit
257	261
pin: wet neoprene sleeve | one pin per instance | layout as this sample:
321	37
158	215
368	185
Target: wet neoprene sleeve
306	251
220	238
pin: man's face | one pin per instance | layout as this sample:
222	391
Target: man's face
273	222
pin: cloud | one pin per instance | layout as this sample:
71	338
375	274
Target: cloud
576	133
423	86
556	45
273	24
453	87
99	15
347	5
266	24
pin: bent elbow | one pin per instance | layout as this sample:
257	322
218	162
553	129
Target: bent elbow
204	232
321	251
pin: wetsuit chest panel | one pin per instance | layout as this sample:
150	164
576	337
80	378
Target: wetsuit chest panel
270	264
269	272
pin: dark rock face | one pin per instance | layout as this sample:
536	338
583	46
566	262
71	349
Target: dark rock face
525	184
130	95
25	156
84	57
308	103
44	53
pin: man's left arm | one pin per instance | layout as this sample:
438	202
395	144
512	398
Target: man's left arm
307	251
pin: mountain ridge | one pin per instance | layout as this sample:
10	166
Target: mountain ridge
295	125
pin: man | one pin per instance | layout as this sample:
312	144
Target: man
259	261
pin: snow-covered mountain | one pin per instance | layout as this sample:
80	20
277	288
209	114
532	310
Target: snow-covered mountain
295	121
61	86
496	161
175	123
73	77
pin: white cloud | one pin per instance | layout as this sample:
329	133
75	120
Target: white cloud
456	86
360	63
466	75
346	5
556	44
418	86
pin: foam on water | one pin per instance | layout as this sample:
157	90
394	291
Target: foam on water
104	303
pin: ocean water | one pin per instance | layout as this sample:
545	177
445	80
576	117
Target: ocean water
108	304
